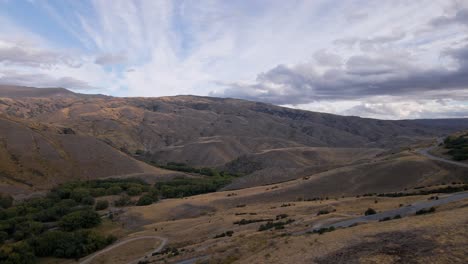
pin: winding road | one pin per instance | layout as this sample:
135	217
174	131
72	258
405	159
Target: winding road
402	211
89	258
425	152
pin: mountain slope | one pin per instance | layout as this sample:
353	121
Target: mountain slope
281	143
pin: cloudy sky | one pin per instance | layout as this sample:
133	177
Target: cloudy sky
383	59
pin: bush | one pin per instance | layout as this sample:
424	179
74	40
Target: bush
87	200
17	253
370	211
322	212
69	244
101	205
134	190
6	201
98	192
3	236
145	200
79	219
114	190
426	211
122	201
324	230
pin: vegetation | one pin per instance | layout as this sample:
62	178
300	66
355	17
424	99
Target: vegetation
447	189
370	211
183	187
426	211
250	221
59	224
324	230
322	212
276	225
176	166
6	201
227	233
145	200
101	205
458	146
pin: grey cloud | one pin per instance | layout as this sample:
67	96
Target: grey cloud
361	76
460	17
111	59
42	80
34	57
327	59
371	43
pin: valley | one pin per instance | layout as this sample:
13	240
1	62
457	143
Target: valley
190	179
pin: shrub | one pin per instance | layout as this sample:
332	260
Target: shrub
426	211
101	205
370	211
322	212
16	253
6	201
134	190
122	201
79	193
69	244
324	230
79	219
98	192
114	190
87	200
3	236
145	200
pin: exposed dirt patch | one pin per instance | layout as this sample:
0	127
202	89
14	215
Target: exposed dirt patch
393	247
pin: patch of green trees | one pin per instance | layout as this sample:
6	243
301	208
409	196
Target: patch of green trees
458	147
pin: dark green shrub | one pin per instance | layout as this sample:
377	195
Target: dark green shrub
426	211
101	205
79	193
370	211
145	200
122	201
6	201
134	190
69	244
79	219
17	253
87	200
114	190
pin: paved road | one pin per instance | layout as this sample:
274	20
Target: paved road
402	211
425	152
161	246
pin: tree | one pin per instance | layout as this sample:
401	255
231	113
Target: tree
79	219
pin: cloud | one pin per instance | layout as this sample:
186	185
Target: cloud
15	55
361	76
460	17
111	59
42	80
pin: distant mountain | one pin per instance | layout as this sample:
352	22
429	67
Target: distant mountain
206	131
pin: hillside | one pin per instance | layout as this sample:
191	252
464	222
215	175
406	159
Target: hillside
266	142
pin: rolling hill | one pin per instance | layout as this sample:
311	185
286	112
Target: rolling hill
58	134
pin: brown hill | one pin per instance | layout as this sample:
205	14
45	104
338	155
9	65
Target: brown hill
277	143
34	157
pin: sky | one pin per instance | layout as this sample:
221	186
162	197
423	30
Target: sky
399	59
